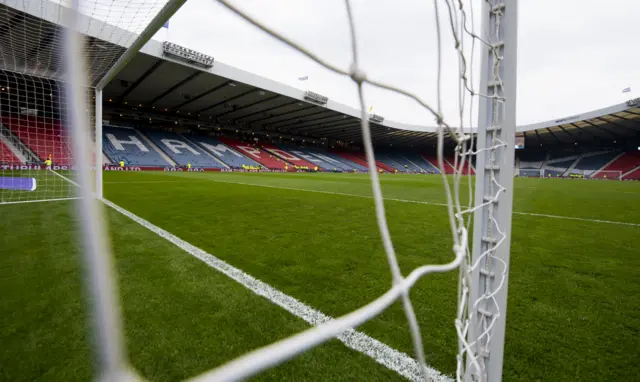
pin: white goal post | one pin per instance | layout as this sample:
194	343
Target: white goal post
81	66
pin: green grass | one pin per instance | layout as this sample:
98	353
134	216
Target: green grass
574	295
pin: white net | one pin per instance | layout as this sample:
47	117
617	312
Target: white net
483	275
483	272
34	139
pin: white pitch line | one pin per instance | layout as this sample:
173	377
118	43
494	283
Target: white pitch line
385	355
65	178
409	201
39	200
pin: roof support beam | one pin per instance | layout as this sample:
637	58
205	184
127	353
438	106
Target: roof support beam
228	100
553	135
586	131
143	77
295	117
323	125
174	87
563	129
616	124
612	133
249	105
634	122
308	120
203	94
267	110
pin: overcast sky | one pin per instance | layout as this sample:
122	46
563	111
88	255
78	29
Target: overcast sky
573	55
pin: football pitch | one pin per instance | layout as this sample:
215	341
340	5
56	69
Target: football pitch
574	292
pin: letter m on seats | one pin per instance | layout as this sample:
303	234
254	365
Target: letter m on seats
133	140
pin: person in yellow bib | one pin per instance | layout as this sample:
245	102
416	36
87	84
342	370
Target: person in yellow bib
47	163
188	166
121	164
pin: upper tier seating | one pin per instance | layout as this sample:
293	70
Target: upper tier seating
44	136
127	145
266	159
7	156
225	153
182	151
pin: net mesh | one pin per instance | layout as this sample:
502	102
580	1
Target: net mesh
34	140
36	51
477	312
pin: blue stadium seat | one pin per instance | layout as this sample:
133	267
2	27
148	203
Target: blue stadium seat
320	159
596	162
223	152
337	161
423	163
127	145
182	151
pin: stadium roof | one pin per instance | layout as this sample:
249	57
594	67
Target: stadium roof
227	96
615	124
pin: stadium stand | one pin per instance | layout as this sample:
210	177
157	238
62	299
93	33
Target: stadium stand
423	163
531	159
625	163
312	157
43	136
450	159
632	175
127	145
224	153
7	156
357	160
406	164
264	158
335	161
379	164
289	157
391	160
182	151
557	164
433	159
591	162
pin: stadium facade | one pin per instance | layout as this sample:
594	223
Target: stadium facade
172	108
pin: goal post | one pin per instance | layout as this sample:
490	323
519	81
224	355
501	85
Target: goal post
150	29
493	193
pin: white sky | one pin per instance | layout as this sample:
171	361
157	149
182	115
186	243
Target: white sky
573	55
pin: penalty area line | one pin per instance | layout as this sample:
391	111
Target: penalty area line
383	354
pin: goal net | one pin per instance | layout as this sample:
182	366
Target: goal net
36	160
56	65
